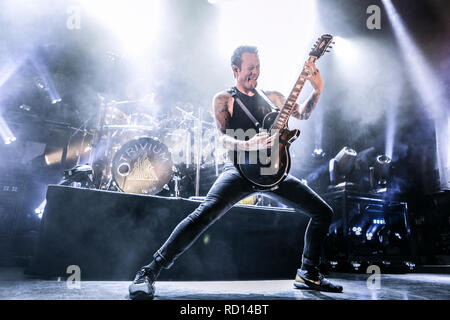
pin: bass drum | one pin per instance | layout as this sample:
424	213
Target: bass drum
142	165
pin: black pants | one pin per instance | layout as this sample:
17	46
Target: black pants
229	188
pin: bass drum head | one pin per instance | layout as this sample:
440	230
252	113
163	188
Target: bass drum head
142	165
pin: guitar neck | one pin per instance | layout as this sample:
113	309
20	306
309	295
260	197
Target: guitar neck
286	110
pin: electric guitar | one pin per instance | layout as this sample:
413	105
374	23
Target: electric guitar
266	168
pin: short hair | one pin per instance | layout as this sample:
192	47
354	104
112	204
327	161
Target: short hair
236	58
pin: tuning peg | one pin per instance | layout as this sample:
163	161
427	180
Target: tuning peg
333	42
327	50
330	47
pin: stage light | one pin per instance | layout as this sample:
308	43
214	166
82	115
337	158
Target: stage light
355	265
428	87
345	50
410	265
135	24
45	81
8	69
5	132
357	230
40	210
341	166
318	153
382	170
378	221
391	119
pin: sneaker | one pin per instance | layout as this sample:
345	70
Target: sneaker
313	279
142	287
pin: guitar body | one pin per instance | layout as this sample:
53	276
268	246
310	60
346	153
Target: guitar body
264	169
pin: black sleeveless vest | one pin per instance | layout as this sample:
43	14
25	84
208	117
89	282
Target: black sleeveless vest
257	106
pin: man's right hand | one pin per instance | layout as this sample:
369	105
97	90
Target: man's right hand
259	141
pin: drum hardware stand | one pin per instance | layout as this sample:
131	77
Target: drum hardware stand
187	115
176	178
106	181
216	161
85	132
198	160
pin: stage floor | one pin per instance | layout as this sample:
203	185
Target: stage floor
14	285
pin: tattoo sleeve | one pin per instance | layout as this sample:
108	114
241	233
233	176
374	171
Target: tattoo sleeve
221	113
301	112
308	106
279	100
222	116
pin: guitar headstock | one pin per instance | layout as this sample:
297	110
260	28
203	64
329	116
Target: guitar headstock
322	44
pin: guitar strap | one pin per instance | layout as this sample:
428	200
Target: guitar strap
263	95
233	93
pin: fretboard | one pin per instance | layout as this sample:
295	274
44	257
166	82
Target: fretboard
286	110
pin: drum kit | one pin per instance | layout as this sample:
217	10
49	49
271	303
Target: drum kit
134	151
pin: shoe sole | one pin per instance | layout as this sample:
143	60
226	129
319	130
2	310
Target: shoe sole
140	292
302	283
140	295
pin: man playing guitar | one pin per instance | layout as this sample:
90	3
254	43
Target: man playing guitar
231	187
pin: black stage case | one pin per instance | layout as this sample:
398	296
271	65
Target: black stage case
109	235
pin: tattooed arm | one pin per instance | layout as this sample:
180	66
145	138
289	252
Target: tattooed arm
314	77
300	112
223	109
305	110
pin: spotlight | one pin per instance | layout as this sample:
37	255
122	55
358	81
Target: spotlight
345	50
44	81
378	221
341	166
10	140
318	153
40	210
357	230
6	134
381	173
355	265
410	265
136	27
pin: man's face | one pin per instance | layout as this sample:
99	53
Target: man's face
248	74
